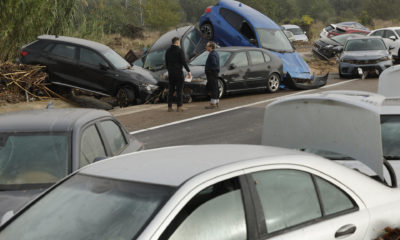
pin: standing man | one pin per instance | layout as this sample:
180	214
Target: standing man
212	70
175	60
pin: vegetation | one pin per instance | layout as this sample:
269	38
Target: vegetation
23	20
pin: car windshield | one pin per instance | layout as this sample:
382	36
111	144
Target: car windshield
116	59
27	160
155	60
274	39
341	38
202	58
390	128
86	207
296	31
368	44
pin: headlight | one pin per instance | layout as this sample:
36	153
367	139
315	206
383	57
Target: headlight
329	46
386	58
148	86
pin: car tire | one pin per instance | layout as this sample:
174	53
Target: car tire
340	74
207	30
125	96
273	83
221	88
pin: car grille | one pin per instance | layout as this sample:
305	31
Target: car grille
373	61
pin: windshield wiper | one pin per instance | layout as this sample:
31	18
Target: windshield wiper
392	157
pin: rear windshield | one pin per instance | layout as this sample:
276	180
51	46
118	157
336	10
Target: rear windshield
87	207
369	44
30	159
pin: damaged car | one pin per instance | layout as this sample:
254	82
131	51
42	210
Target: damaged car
364	55
90	66
327	48
217	192
40	147
232	23
391	36
298	33
242	69
343	28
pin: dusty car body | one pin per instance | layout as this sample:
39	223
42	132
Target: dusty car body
329	47
389	84
40	147
232	23
91	66
192	44
242	69
365	54
219	192
298	33
362	128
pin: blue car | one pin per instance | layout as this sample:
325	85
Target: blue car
231	23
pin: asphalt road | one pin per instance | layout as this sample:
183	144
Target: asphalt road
239	119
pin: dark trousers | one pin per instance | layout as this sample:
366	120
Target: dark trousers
176	80
212	84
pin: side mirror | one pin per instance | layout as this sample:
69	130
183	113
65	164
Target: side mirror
305	32
104	67
338	49
232	66
99	159
7	216
393	38
253	41
391	47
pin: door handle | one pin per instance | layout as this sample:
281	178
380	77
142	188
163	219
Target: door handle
345	230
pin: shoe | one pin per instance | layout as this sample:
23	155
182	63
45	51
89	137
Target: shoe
180	109
211	106
170	109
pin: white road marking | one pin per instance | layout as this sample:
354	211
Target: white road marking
235	108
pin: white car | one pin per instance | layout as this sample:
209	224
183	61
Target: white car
391	37
210	192
299	34
359	129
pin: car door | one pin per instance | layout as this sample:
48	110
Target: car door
94	72
236	73
216	212
62	63
298	204
258	70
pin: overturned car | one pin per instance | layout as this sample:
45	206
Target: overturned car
232	23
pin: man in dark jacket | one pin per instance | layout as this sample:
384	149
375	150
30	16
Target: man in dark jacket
212	70
175	60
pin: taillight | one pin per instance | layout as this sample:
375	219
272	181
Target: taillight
208	9
24	53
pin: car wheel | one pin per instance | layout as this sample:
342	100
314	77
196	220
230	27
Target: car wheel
273	82
125	96
221	88
207	30
340	73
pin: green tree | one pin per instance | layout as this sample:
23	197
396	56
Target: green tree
162	14
194	8
267	7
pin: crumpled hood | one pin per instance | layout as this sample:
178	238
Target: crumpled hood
143	75
15	200
294	64
365	55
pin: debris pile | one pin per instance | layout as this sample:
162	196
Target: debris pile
390	234
20	83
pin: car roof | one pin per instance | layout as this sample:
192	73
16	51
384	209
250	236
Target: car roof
289	26
173	166
87	43
165	40
388	28
240	48
48	120
257	19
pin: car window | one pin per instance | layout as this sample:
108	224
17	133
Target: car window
288	198
247	31
234	19
188	48
296	31
368	44
398	32
378	33
202	58
333	199
194	36
266	57
90	57
48	47
217	212
114	136
240	59
389	33
256	57
91	146
155	60
63	50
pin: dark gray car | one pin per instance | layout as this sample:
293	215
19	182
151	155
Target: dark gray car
364	54
40	147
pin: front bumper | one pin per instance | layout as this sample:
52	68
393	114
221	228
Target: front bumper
305	83
351	69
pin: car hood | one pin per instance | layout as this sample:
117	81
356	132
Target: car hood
15	200
294	64
197	71
328	41
365	55
142	75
